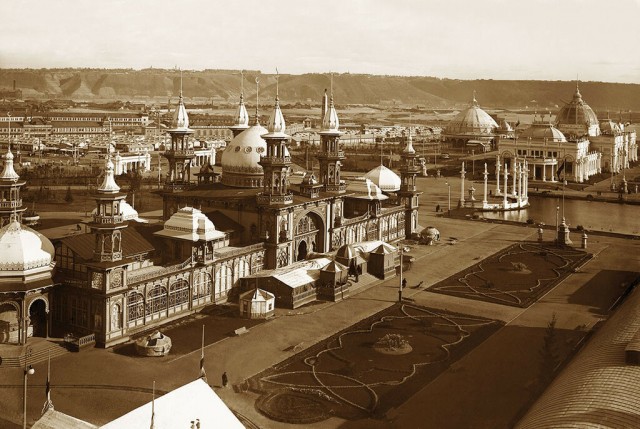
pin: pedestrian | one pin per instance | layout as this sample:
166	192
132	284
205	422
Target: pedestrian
437	208
225	380
404	283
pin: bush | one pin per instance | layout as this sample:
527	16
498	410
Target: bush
579	228
531	221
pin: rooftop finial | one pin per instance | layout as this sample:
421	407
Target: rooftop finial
277	85
180	83
331	85
257	100
241	84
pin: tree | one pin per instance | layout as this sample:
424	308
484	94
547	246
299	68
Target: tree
68	198
549	353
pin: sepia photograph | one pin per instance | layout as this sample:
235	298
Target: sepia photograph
365	214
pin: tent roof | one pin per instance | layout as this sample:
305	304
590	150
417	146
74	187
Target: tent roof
54	419
179	407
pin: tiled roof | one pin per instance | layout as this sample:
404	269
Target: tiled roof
133	243
597	389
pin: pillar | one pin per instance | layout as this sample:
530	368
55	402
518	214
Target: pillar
497	175
462	185
486	175
514	178
504	194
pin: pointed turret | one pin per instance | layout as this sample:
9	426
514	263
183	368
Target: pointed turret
180	154
107	220
241	117
330	155
408	192
10	185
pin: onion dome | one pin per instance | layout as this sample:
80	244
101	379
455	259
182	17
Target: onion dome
23	249
189	223
363	188
241	117
240	159
408	149
472	121
180	117
9	173
330	121
109	184
543	131
384	178
576	117
276	125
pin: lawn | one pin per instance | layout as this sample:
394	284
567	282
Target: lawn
516	276
357	374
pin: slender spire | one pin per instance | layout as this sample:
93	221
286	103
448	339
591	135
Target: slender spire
257	100
277	85
180	83
276	125
474	102
241	116
330	121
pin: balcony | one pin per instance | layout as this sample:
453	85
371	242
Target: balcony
15	204
104	220
265	199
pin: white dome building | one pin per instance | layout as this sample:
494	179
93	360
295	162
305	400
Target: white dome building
577	119
26	264
240	159
384	178
471	126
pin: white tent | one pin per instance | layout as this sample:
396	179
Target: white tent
178	408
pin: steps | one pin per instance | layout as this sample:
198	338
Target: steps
40	352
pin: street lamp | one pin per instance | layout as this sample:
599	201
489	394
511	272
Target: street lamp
402	281
557	226
28	370
449	203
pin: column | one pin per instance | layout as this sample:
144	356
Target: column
486	175
497	175
514	178
544	173
506	189
462	186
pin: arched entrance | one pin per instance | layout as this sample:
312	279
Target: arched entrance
309	235
38	317
302	250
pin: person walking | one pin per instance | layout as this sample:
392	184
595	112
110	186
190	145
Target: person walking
225	380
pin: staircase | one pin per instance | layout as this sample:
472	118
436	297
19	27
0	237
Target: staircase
40	349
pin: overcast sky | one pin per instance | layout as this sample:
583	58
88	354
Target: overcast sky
493	39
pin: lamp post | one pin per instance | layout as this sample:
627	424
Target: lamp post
557	227
449	203
400	251
28	370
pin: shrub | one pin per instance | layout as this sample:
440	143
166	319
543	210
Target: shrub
531	221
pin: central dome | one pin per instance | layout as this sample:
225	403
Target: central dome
577	118
472	121
240	159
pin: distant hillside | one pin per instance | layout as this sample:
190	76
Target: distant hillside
222	86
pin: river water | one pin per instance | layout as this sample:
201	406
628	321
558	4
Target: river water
601	216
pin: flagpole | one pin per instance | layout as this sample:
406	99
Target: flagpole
203	374
48	405
153	405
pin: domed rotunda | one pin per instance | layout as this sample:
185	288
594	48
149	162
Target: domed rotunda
577	119
240	159
471	125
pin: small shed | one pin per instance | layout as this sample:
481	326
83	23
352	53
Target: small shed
333	283
257	304
382	262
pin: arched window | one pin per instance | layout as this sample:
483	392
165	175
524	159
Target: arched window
156	300
202	286
116	317
178	293
135	306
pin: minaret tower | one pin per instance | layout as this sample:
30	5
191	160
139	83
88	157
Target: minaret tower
241	117
331	155
276	219
10	185
107	221
179	155
408	192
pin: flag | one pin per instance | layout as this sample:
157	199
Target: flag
560	169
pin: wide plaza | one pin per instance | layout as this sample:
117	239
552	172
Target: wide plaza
494	382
